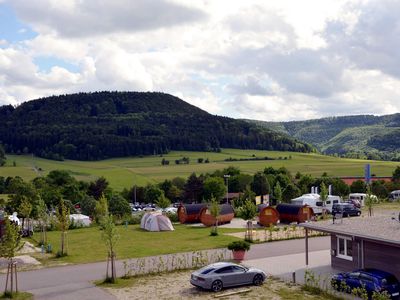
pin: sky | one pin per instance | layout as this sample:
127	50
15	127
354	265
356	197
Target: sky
266	59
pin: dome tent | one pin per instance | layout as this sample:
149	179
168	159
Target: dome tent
155	221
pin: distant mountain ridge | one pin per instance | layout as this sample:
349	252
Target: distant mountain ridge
363	136
93	126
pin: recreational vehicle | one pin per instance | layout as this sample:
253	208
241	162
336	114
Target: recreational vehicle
314	201
311	200
394	195
358	199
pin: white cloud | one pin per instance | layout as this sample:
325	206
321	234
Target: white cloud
270	60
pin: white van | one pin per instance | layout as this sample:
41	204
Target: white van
358	199
394	195
331	201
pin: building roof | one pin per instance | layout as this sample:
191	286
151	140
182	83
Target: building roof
379	228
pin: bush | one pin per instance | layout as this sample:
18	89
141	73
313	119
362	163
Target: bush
239	245
173	217
135	218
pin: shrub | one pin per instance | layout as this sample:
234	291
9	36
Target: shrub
239	245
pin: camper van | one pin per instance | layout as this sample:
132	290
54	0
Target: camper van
358	199
314	201
311	200
394	195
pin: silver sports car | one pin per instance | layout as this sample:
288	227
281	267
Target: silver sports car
217	276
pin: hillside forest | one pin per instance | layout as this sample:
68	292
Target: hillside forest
100	125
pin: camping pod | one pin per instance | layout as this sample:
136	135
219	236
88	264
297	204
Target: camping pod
289	213
226	215
268	216
190	213
155	221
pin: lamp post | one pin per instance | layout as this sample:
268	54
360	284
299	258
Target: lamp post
226	176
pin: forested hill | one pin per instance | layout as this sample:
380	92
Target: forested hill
364	136
93	126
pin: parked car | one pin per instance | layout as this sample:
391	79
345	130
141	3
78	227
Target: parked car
347	209
372	280
220	275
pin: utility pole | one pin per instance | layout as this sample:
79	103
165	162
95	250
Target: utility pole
226	176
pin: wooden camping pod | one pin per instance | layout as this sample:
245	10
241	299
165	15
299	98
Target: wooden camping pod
225	216
289	213
268	216
190	213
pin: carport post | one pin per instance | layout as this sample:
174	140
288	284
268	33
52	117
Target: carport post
306	239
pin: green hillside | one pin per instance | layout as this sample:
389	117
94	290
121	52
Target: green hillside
95	126
364	136
124	172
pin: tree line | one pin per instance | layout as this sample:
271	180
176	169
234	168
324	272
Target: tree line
29	199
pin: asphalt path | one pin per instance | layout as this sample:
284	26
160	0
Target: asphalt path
75	281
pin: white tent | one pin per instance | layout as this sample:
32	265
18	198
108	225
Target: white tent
156	222
80	220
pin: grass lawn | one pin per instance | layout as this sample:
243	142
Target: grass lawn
85	245
125	172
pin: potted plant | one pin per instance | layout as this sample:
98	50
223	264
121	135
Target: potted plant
239	248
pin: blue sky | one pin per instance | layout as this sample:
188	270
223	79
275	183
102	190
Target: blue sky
267	60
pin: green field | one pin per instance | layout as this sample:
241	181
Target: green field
125	172
85	244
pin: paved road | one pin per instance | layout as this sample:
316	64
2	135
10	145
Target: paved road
74	282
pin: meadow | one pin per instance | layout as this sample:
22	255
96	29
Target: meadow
134	242
127	171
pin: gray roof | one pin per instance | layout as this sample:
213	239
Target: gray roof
380	228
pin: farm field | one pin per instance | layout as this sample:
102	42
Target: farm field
125	172
86	245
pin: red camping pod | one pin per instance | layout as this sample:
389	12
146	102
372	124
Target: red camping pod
190	213
225	216
289	213
268	216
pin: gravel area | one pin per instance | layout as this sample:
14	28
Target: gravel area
176	286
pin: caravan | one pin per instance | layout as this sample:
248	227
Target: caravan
394	195
358	199
314	201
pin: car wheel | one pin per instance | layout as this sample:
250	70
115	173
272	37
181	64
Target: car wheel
359	213
258	279
216	286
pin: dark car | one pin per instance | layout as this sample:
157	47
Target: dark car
220	275
372	280
347	209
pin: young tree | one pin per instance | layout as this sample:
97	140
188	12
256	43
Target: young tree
101	209
25	210
323	195
278	193
8	247
63	222
110	237
43	220
163	202
215	211
248	212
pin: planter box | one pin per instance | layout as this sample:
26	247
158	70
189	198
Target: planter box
238	254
